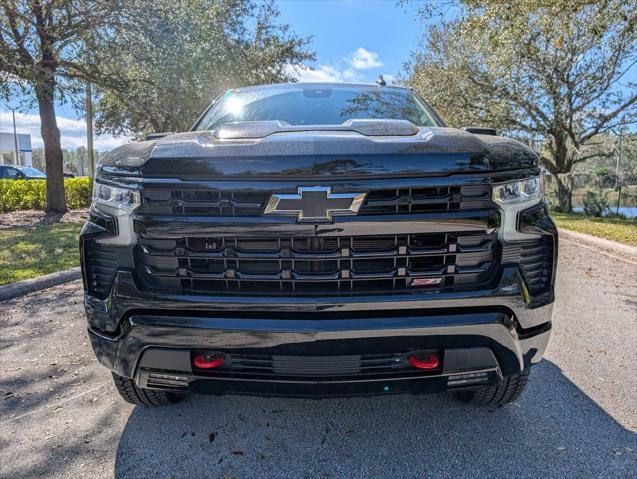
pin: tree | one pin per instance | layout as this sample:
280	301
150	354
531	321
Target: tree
43	44
37	159
184	53
557	71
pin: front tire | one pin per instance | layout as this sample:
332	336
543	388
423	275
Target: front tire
143	397
504	393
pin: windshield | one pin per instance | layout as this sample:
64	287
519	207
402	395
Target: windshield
307	104
31	172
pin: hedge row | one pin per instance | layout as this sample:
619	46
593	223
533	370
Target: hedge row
31	194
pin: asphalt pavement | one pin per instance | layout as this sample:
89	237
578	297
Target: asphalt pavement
60	415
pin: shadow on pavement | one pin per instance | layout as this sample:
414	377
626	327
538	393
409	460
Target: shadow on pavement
553	430
82	449
39	358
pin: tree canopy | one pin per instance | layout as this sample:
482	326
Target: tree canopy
558	71
184	53
44	48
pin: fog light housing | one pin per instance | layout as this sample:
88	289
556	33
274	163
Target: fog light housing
468	379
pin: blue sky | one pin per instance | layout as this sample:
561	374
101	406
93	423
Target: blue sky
341	27
354	40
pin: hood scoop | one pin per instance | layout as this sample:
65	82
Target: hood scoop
261	129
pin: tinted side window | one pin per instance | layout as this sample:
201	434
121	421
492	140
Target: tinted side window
12	173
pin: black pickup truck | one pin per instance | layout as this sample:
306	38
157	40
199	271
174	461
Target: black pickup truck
319	240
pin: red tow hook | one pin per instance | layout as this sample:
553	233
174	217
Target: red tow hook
424	361
207	361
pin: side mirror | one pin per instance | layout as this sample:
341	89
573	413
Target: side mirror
479	130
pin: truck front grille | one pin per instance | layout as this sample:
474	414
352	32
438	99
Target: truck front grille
316	265
426	200
393	201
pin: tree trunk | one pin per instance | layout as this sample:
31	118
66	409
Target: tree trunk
560	168
564	193
55	200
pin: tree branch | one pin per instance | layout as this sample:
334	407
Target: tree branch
18	37
604	119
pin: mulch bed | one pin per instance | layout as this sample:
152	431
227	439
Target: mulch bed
16	219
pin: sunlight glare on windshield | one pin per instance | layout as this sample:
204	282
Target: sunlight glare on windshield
233	105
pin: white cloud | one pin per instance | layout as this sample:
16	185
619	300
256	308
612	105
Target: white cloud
346	70
363	59
73	132
324	73
353	76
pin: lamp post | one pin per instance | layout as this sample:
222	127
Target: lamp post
15	139
619	157
618	185
89	130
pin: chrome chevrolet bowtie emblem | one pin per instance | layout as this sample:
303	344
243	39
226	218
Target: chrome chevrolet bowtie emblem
314	204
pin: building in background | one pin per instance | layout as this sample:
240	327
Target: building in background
7	149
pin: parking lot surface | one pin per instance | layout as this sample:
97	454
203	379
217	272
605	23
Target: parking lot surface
60	415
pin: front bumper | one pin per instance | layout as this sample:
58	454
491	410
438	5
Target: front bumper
150	334
506	321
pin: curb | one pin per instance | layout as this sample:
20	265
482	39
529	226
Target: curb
608	246
19	288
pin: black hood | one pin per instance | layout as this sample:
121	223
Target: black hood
359	148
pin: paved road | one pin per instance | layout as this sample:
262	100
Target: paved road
61	417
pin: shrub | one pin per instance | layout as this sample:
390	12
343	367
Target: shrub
78	192
31	194
595	204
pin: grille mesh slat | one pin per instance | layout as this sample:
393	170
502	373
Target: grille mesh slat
304	366
392	201
317	265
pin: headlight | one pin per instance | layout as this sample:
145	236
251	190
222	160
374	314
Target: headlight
120	204
513	197
522	191
115	197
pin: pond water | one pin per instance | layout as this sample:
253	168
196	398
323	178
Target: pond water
628	211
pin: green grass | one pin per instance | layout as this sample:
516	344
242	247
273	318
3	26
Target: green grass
614	229
36	250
